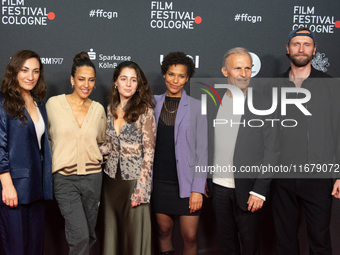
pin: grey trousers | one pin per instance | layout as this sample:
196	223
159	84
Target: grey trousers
78	198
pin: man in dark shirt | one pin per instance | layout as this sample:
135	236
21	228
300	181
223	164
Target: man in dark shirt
312	143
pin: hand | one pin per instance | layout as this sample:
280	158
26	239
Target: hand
195	201
254	203
206	192
134	203
336	189
9	193
10	196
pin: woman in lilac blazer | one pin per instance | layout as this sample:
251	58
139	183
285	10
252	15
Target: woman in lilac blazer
181	144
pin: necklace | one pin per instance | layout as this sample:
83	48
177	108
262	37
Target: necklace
79	106
168	110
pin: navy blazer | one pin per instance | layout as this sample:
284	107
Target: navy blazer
29	167
191	144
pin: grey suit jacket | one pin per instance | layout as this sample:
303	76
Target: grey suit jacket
254	146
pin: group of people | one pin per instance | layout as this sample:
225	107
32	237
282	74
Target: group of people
151	145
68	147
237	197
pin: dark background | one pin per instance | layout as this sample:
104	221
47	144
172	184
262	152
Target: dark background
130	33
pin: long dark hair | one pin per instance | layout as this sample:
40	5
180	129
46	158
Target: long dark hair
140	101
13	102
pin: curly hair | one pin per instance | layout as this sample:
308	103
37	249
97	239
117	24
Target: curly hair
13	102
178	58
140	101
81	59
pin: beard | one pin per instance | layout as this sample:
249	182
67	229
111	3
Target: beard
300	62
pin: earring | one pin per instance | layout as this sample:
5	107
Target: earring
72	86
94	87
115	86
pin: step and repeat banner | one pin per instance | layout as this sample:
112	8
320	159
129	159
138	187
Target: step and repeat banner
145	31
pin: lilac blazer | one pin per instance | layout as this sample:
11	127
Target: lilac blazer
191	143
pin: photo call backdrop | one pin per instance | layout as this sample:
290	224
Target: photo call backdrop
144	32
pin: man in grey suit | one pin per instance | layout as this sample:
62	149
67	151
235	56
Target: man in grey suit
237	197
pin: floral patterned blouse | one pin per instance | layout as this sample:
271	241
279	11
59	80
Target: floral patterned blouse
134	147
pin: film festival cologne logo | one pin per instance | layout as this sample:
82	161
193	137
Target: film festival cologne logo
308	16
19	12
213	90
165	15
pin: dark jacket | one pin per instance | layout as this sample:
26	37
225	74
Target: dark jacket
254	146
29	167
323	134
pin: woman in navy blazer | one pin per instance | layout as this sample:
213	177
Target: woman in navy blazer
25	156
181	144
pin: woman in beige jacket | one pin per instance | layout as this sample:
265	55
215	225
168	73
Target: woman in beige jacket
76	127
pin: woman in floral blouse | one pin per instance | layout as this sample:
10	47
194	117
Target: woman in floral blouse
130	142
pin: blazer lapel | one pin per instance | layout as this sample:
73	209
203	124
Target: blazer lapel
43	112
158	107
31	128
212	110
183	107
242	128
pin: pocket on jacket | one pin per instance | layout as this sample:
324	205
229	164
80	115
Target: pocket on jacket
18	173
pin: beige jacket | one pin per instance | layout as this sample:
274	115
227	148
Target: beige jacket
74	149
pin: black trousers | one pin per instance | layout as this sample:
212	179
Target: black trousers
315	196
233	222
22	229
